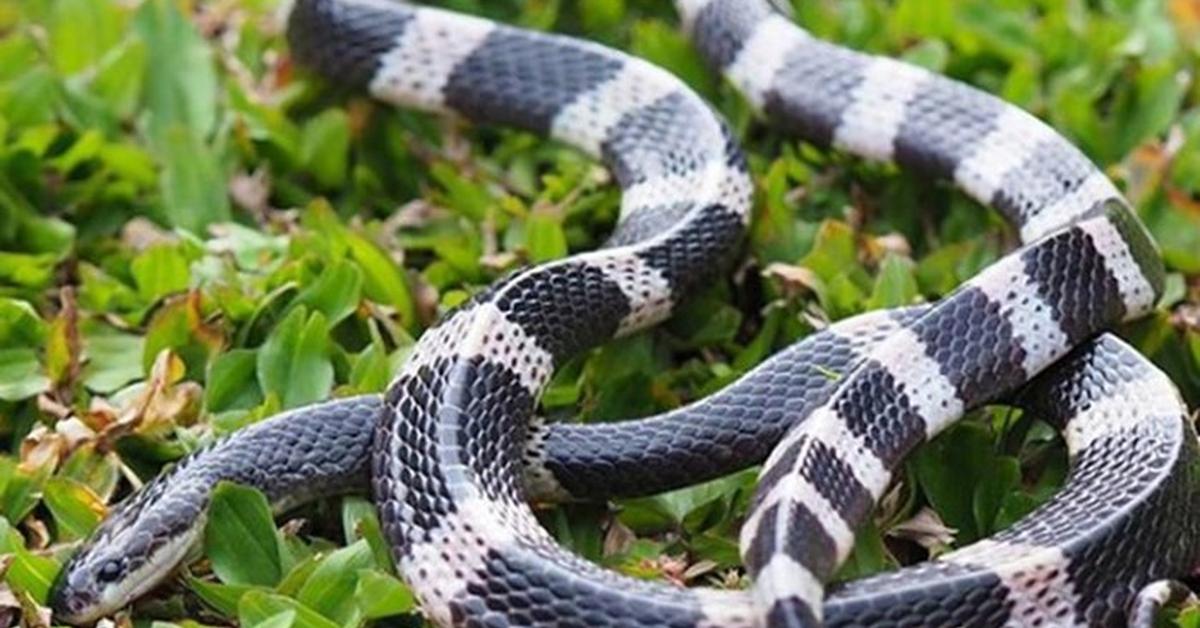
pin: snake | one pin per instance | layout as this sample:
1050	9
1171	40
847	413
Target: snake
454	451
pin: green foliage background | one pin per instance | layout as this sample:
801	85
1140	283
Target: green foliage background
194	236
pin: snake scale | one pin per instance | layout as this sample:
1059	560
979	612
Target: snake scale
453	451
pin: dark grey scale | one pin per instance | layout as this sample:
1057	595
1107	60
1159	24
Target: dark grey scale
689	257
783	466
487	404
1071	277
344	40
813	89
727	431
730	430
934	595
805	540
524	79
1053	170
417	481
539	304
658	140
874	407
834	479
527	586
762	544
1157	539
265	455
722	28
974	346
648	222
944	124
1107	569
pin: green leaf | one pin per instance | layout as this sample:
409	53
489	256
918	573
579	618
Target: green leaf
27	572
324	147
22	491
690	503
223	598
76	509
21	375
381	595
159	271
81	31
192	182
240	537
361	522
282	619
180	84
335	292
113	358
294	361
232	383
20	324
258	606
895	285
383	281
330	588
544	237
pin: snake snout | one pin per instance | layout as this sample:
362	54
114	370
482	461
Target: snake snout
73	598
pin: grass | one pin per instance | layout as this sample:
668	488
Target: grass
194	236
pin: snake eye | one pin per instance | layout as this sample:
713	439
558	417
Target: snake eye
110	570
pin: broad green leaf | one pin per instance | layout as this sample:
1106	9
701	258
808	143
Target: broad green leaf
160	270
330	588
20	324
22	491
833	252
380	595
895	285
689	503
76	509
240	537
27	572
282	619
462	194
544	237
223	598
361	522
99	472
192	182
231	381
324	146
113	358
335	292
180	84
258	606
383	281
81	31
21	376
294	361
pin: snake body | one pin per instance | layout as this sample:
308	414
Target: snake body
453	451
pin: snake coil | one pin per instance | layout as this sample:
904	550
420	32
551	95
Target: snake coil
453	451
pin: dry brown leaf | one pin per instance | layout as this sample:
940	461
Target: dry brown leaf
42	448
795	280
926	529
141	234
697	569
618	538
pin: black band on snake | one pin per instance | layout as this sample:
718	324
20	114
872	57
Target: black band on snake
453	451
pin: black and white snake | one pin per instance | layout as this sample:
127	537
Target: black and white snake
453	451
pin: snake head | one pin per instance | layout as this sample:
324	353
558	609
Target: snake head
136	547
